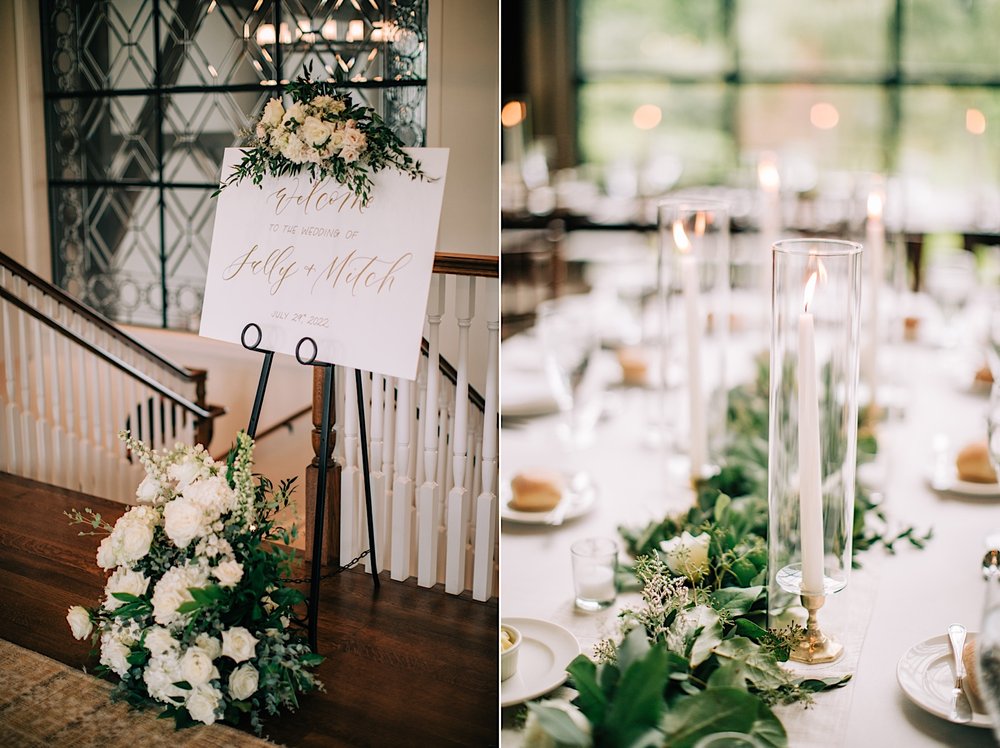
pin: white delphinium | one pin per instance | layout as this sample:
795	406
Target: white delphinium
172	591
213	546
124	580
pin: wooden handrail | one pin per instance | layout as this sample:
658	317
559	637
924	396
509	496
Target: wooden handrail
453	263
98	319
197	410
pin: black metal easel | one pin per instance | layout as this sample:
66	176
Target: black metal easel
316	575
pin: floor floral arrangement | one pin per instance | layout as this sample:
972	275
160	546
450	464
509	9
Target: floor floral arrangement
695	657
195	619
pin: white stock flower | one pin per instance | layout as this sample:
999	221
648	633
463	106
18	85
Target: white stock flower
229	573
687	554
273	113
161	672
211	645
534	735
238	644
148	490
202	702
172	590
79	621
315	131
243	682
183	521
127	581
185	472
114	653
197	667
159	641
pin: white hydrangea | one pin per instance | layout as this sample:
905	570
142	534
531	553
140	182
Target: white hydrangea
172	591
116	644
162	671
212	494
127	581
159	641
295	150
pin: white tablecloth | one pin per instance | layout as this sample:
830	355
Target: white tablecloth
891	604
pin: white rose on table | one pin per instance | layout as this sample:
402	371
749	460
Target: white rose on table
183	521
229	573
211	645
238	644
687	554
202	702
148	490
197	667
79	622
126	581
159	641
243	682
273	113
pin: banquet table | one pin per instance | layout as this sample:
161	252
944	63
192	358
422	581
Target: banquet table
892	603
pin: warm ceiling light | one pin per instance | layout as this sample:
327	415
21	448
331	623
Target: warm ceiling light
329	30
355	31
824	115
265	34
513	113
975	121
647	116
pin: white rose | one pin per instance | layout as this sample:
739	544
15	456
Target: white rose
315	131
159	641
106	554
183	521
211	645
172	591
133	542
79	622
127	581
349	153
148	490
238	644
229	573
355	138
687	555
536	737
114	653
296	112
273	113
184	472
202	702
243	682
336	140
197	666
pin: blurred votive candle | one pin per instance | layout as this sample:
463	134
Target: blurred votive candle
594	564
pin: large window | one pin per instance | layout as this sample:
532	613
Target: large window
900	86
142	96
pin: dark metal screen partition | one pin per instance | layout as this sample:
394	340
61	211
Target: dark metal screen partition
143	96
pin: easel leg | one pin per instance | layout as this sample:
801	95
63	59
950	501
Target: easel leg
317	556
368	482
258	401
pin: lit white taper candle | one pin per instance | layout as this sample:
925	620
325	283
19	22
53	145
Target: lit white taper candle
875	247
693	321
810	476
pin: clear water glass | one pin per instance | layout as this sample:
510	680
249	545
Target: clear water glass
951	281
988	642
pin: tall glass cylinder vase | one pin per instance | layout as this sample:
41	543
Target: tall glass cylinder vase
813	424
694	244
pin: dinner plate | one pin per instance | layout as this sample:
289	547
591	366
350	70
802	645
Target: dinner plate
546	649
579	501
946	479
925	674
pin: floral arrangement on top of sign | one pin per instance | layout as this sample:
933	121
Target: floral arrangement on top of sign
195	617
326	134
695	657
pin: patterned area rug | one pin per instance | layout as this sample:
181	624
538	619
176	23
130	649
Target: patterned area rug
44	703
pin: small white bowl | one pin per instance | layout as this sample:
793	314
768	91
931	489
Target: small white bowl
508	657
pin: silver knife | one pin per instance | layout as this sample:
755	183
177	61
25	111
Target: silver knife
961	710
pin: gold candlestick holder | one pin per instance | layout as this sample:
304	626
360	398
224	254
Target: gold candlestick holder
816	648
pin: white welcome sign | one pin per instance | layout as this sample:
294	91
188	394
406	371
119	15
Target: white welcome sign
305	259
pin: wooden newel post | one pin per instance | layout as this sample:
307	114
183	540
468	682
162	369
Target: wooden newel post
331	540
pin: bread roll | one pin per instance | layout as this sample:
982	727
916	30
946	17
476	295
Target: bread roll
536	490
973	464
635	365
984	375
971	682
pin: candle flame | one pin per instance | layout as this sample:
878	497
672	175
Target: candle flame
874	205
700	221
817	276
680	238
975	121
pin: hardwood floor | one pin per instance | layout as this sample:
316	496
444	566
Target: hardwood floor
408	667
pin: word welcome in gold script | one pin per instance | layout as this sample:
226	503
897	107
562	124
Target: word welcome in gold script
349	271
316	198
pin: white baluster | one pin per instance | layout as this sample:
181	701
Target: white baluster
376	475
388	465
55	401
29	441
486	521
429	496
458	497
402	488
350	475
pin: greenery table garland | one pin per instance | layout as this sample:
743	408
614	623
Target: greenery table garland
695	657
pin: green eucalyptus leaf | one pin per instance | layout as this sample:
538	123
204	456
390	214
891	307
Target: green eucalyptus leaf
560	726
